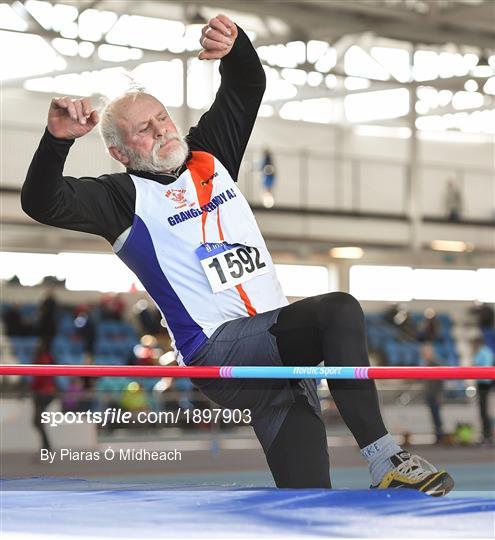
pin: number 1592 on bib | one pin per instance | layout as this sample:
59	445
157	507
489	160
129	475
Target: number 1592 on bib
228	265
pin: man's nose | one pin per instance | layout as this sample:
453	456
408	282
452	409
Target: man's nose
158	129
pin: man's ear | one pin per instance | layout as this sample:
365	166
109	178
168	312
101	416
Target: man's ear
118	155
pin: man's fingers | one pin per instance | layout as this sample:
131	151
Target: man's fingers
93	118
71	118
217	38
60	103
79	111
235	31
213	40
212	45
216	35
211	55
67	104
231	26
86	106
222	23
71	109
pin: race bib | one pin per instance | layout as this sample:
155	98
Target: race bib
227	265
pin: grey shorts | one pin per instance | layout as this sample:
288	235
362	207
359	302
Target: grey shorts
247	342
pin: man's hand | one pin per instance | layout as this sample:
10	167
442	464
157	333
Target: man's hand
71	118
217	38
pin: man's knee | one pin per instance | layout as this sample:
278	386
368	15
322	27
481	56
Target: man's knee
338	306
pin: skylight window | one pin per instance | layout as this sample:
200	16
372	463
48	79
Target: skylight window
356	83
41	11
315	50
62	15
93	24
295	76
67	47
9	20
315	78
152	76
395	61
426	65
199	92
33	56
467	100
277	55
278	90
317	110
145	32
115	53
359	63
297	50
377	105
327	61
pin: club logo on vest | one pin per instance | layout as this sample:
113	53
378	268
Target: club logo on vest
179	197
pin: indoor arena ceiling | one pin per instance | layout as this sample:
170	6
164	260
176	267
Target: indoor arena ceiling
428	22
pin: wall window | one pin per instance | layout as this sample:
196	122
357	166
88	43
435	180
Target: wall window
402	283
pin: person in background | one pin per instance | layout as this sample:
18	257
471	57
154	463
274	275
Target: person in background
453	201
85	330
148	318
429	327
15	324
44	390
398	316
73	399
486	317
483	356
390	313
433	391
47	319
268	178
112	307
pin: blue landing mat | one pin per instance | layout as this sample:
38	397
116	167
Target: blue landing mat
49	507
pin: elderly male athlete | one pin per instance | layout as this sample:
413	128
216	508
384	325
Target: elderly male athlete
178	220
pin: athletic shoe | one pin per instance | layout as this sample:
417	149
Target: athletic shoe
414	472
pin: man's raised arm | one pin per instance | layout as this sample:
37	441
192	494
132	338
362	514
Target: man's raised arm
62	201
225	129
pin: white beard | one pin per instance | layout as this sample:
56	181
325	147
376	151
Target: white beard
154	163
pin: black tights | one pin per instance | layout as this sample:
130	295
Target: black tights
328	328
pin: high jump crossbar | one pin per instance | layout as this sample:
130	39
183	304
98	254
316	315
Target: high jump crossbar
251	372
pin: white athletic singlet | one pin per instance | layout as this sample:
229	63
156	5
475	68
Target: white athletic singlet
197	249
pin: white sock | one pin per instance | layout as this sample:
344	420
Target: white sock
377	455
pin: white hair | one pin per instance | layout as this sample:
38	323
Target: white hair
109	129
112	137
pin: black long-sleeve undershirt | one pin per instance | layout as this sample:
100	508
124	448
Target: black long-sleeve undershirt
105	205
